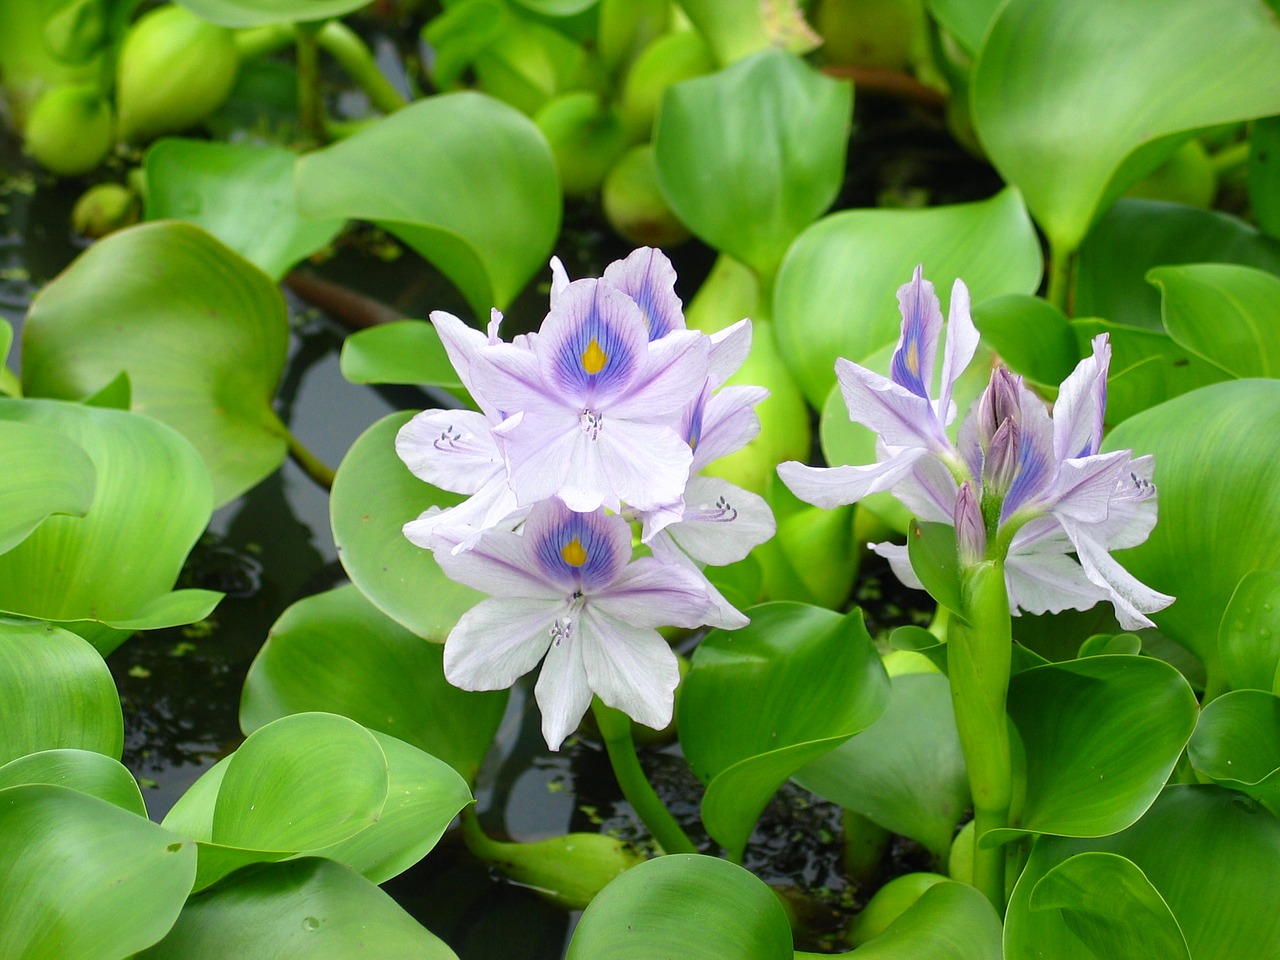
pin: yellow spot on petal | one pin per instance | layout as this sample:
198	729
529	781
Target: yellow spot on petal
594	358
575	555
913	357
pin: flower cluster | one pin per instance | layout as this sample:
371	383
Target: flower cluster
604	417
1019	484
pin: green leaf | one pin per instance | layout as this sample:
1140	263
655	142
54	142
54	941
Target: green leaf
1031	336
257	13
1209	853
404	351
463	179
1227	314
1064	94
738	28
82	770
747	201
1209	452
373	496
151	504
82	879
966	20
201	333
1136	235
1264	174
1109	903
906	771
1101	737
950	921
683	906
759	703
1249	635
241	193
1237	745
47	473
338	653
935	558
309	908
991	245
58	694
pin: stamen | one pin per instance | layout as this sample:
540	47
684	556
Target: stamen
594	358
561	629
721	512
574	553
448	438
591	422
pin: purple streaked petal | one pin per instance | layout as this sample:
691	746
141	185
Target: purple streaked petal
671	373
1132	599
721	614
729	423
961	344
498	641
1081	403
509	378
722	523
647	277
591	344
730	348
896	415
451	449
649	593
644	464
912	364
971	532
563	691
499	565
836	486
928	491
631	668
1084	489
585	551
1036	467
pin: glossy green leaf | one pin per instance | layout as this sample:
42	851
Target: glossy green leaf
1219	493
1210	854
464	179
241	193
1147	368
1264	174
81	879
558	8
404	351
46	473
1101	737
935	558
201	332
950	921
1249	635
82	770
1237	745
1064	94
735	29
966	20
747	201
1227	314
338	653
759	703
55	693
151	503
1108	903
906	771
991	245
374	495
1031	336
9	385
257	13
309	908
683	906
1136	235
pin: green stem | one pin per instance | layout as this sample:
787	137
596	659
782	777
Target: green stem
1061	261
310	102
1229	158
310	463
979	648
615	728
342	43
259	41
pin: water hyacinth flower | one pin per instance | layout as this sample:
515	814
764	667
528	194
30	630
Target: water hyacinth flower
1019	484
567	589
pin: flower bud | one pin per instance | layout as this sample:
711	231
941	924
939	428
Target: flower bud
971	532
998	403
1000	465
104	208
70	130
174	70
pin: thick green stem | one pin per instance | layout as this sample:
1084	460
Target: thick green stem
979	648
310	463
1230	158
1061	260
259	41
341	42
615	728
310	102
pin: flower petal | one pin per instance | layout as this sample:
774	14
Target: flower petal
644	464
458	528
592	343
498	641
649	593
499	565
899	563
730	348
1048	583
929	490
912	364
647	277
509	378
631	668
898	416
549	455
962	343
1085	488
671	374
721	522
563	691
835	486
1132	599
728	423
1081	403
559	279
451	449
580	550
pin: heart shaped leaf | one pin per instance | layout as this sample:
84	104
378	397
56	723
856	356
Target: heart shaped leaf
1237	744
48	473
1228	314
404	351
1249	635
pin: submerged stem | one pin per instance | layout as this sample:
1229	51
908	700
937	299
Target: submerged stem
311	464
615	728
310	103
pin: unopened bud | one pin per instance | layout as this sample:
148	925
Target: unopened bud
971	532
998	403
1000	465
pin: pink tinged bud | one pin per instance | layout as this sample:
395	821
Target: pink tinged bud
971	532
998	403
1000	466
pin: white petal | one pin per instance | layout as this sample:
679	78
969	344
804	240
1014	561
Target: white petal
1084	489
510	379
722	522
644	464
670	375
1049	583
835	486
929	491
562	691
1082	399
899	563
548	456
451	449
1131	598
650	593
499	565
894	413
559	279
962	342
458	528
721	613
631	668
730	348
729	423
498	641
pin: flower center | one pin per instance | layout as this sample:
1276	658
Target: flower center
591	422
594	358
574	553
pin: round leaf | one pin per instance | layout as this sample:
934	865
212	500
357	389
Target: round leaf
374	495
55	693
81	770
1228	314
309	908
760	702
404	351
1237	744
257	13
950	921
116	565
747	201
1249	636
991	245
81	879
338	653
241	193
1101	737
1030	335
47	473
683	906
201	333
1064	94
464	179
